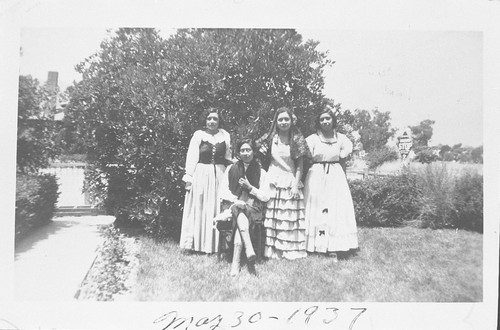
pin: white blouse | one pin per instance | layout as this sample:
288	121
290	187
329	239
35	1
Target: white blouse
329	149
262	193
193	153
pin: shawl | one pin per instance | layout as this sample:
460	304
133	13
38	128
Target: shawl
237	172
298	145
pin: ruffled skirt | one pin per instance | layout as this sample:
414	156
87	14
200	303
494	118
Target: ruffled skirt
285	225
201	205
329	214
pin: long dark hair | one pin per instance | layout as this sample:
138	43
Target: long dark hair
266	138
298	145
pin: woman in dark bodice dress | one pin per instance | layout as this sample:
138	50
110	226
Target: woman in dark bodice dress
208	154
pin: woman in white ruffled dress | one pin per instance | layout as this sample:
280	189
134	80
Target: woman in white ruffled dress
329	214
283	150
208	154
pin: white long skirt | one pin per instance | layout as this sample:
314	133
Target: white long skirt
329	213
201	205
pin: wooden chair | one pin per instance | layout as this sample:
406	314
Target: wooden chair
225	229
257	235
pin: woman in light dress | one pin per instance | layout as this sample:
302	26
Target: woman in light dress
283	150
330	219
208	154
246	190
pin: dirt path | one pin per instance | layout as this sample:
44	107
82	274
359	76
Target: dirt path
51	263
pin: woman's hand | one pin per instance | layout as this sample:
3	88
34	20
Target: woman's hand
238	204
263	149
294	191
188	186
244	183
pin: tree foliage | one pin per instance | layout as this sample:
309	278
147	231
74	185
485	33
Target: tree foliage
460	153
377	157
374	128
141	98
422	133
36	131
477	155
425	155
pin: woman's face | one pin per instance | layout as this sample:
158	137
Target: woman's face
213	121
284	122
326	122
246	153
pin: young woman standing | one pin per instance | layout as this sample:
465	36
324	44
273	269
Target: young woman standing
208	154
330	219
283	150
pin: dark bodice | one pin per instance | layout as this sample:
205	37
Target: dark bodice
212	153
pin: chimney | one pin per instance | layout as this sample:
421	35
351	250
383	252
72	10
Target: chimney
52	80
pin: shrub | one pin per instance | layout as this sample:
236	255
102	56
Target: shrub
72	158
468	202
36	198
141	98
436	202
385	201
450	200
36	134
433	197
377	157
426	156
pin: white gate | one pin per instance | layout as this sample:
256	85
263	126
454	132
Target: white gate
70	178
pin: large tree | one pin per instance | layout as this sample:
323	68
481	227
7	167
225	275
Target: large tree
477	155
36	130
422	133
374	128
141	97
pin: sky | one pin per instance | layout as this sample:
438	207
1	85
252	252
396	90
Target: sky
415	75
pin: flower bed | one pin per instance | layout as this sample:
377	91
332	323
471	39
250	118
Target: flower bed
113	270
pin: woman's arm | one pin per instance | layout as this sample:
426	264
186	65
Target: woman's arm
262	193
224	192
311	142
192	157
299	166
228	155
345	146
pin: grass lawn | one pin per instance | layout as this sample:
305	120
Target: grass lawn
393	265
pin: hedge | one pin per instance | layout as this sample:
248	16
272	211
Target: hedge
36	198
385	201
432	198
377	157
469	202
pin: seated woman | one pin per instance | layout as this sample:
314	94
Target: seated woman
244	186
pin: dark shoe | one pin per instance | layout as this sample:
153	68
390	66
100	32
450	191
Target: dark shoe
251	259
333	256
251	267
